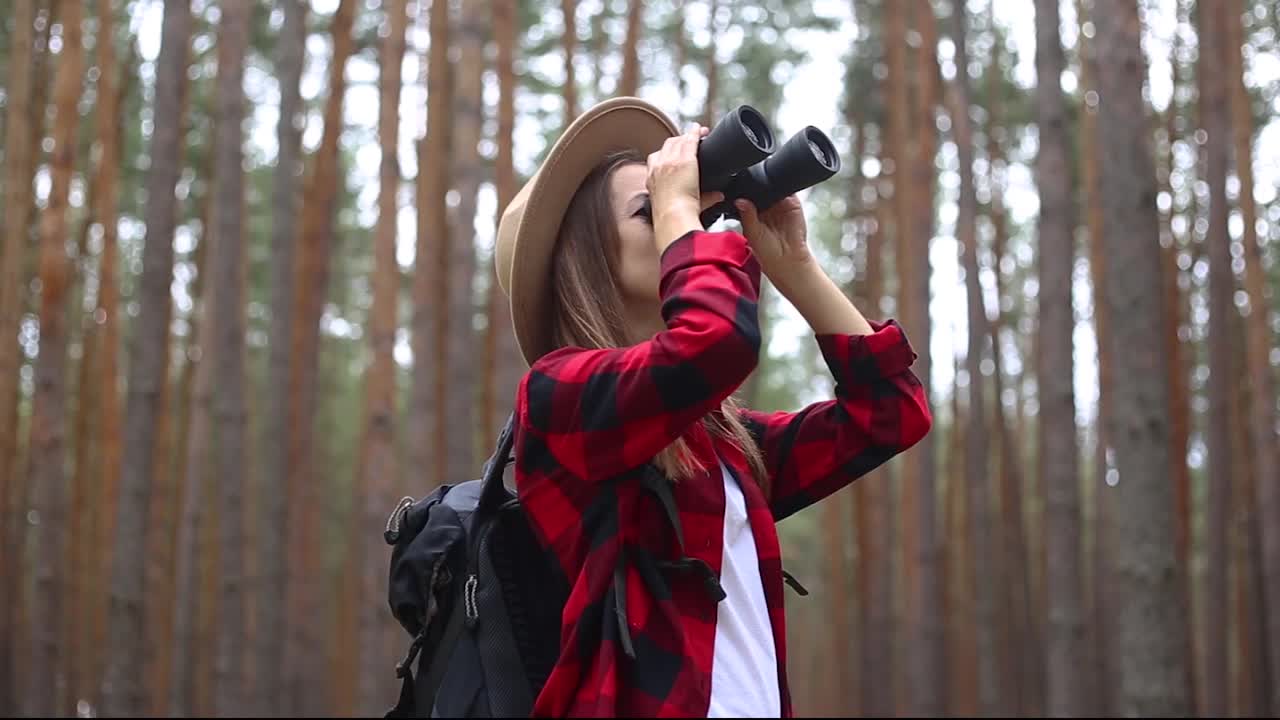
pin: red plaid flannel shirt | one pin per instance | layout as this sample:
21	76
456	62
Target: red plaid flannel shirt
589	422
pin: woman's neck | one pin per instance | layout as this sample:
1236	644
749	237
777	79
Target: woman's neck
644	321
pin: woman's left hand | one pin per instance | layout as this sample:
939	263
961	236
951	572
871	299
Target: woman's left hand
777	236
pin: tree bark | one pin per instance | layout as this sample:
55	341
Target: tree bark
504	364
468	171
112	89
303	661
874	536
903	213
123	689
1067	659
377	472
992	695
1026	630
962	698
1150	638
226	285
431	273
193	460
19	162
1247	652
630	81
926	641
709	116
275	463
569	41
47	444
1260	339
1215	120
1103	672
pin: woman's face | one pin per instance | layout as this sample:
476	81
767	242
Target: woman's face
638	267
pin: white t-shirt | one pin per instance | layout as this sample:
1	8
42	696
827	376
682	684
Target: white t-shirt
744	676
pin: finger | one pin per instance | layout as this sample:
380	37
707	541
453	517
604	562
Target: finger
747	214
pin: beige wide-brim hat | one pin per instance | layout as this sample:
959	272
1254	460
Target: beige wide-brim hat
530	224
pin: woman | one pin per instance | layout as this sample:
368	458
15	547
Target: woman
638	326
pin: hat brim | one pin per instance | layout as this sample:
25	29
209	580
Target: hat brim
530	223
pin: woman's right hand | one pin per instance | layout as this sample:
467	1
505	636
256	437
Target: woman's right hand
674	196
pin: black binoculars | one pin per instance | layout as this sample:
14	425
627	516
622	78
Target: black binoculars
737	158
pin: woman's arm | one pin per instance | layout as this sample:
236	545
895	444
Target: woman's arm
820	301
601	412
880	408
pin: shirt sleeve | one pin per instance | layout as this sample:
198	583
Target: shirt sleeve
880	409
601	412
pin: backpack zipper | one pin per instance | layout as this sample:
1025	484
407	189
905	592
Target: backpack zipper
391	534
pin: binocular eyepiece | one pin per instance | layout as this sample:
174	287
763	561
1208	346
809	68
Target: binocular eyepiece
738	158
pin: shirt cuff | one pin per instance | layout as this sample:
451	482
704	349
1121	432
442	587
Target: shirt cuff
864	359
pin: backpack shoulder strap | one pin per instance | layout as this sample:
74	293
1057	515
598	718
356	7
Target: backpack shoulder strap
494	493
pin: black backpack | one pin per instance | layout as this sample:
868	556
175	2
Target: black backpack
482	600
478	596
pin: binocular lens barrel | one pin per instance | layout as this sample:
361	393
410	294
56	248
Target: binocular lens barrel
741	139
738	158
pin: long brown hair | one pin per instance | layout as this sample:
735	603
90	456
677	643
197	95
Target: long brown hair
588	309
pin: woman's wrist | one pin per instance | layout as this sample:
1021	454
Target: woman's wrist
818	299
673	221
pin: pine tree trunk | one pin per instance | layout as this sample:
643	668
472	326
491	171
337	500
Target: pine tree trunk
1017	560
709	107
992	695
275	463
1179	402
961	641
903	546
80	334
1248	641
569	42
209	553
835	517
193	460
226	287
875	578
504	364
629	84
1067	660
1150	638
377	477
304	591
107	340
17	201
460	347
18	177
123	690
431	273
925	640
45	454
1103	672
1219	430
82	546
158	596
1260	340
